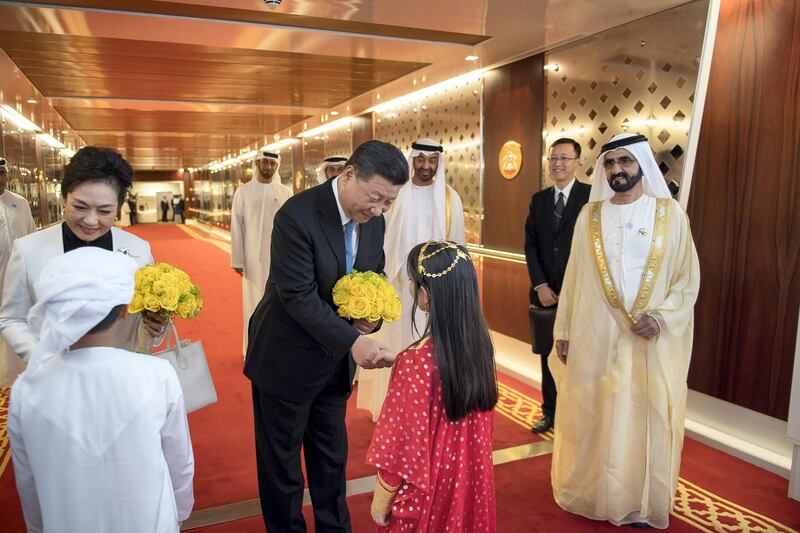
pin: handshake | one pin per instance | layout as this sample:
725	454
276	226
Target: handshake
369	353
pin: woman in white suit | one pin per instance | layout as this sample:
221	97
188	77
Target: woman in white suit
94	187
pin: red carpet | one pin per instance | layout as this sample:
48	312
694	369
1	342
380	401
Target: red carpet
222	434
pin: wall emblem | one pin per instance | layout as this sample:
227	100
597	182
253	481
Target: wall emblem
510	159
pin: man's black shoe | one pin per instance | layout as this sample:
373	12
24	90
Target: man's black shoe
543	425
640	525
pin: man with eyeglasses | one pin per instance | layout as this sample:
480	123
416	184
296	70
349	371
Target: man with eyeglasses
623	337
16	221
548	238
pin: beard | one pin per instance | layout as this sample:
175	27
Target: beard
623	182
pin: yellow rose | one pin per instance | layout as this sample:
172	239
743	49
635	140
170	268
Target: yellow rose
198	300
152	303
165	267
137	303
180	274
359	307
169	298
160	286
343	311
377	307
171	279
370	291
187	308
392	309
387	291
340	297
185	286
358	290
343	284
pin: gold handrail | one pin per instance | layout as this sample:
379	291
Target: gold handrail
501	255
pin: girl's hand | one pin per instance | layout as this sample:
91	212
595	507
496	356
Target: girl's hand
379	518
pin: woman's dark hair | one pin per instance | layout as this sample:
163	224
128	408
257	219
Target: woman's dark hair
109	320
462	346
98	164
382	159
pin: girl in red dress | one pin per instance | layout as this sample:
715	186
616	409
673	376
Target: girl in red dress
433	442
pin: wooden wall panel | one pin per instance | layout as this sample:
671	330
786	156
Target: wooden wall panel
505	297
513	109
745	209
362	129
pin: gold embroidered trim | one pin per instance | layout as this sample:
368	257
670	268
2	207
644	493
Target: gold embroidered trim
652	266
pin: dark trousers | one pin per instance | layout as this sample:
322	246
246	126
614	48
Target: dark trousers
164	215
281	429
548	389
548	384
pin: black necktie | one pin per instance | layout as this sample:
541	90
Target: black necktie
558	212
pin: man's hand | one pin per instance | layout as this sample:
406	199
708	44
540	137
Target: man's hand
365	327
546	296
155	325
562	347
381	520
369	353
239	271
647	327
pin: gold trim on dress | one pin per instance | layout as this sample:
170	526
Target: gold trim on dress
652	266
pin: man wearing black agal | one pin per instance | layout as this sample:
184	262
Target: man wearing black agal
301	356
548	238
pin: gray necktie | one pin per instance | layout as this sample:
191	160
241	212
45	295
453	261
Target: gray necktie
559	209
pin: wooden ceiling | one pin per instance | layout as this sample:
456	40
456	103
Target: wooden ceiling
183	83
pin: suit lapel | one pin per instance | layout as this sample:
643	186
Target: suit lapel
331	223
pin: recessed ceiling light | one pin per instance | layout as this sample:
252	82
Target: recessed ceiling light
472	58
33	101
334	113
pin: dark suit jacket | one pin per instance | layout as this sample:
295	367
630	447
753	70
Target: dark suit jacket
298	344
547	247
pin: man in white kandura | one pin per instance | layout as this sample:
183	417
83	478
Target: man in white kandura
623	337
15	221
99	436
254	206
426	209
330	168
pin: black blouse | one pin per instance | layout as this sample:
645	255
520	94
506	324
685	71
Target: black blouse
73	242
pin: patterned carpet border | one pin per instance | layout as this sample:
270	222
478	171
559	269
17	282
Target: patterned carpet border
694	505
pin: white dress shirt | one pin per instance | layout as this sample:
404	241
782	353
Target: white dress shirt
345	219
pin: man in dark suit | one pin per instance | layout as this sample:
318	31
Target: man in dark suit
548	238
301	357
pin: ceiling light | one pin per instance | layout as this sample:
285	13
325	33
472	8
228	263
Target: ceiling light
180	170
334	113
276	146
552	67
18	120
416	95
471	58
326	127
33	101
50	140
247	156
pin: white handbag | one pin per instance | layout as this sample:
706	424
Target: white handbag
189	361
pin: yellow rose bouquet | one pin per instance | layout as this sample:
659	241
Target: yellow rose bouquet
366	295
164	290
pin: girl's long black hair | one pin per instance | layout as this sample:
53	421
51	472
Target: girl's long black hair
462	346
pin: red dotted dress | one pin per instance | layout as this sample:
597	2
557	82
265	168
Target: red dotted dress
443	468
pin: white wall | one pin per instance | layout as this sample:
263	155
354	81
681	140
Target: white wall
146	200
